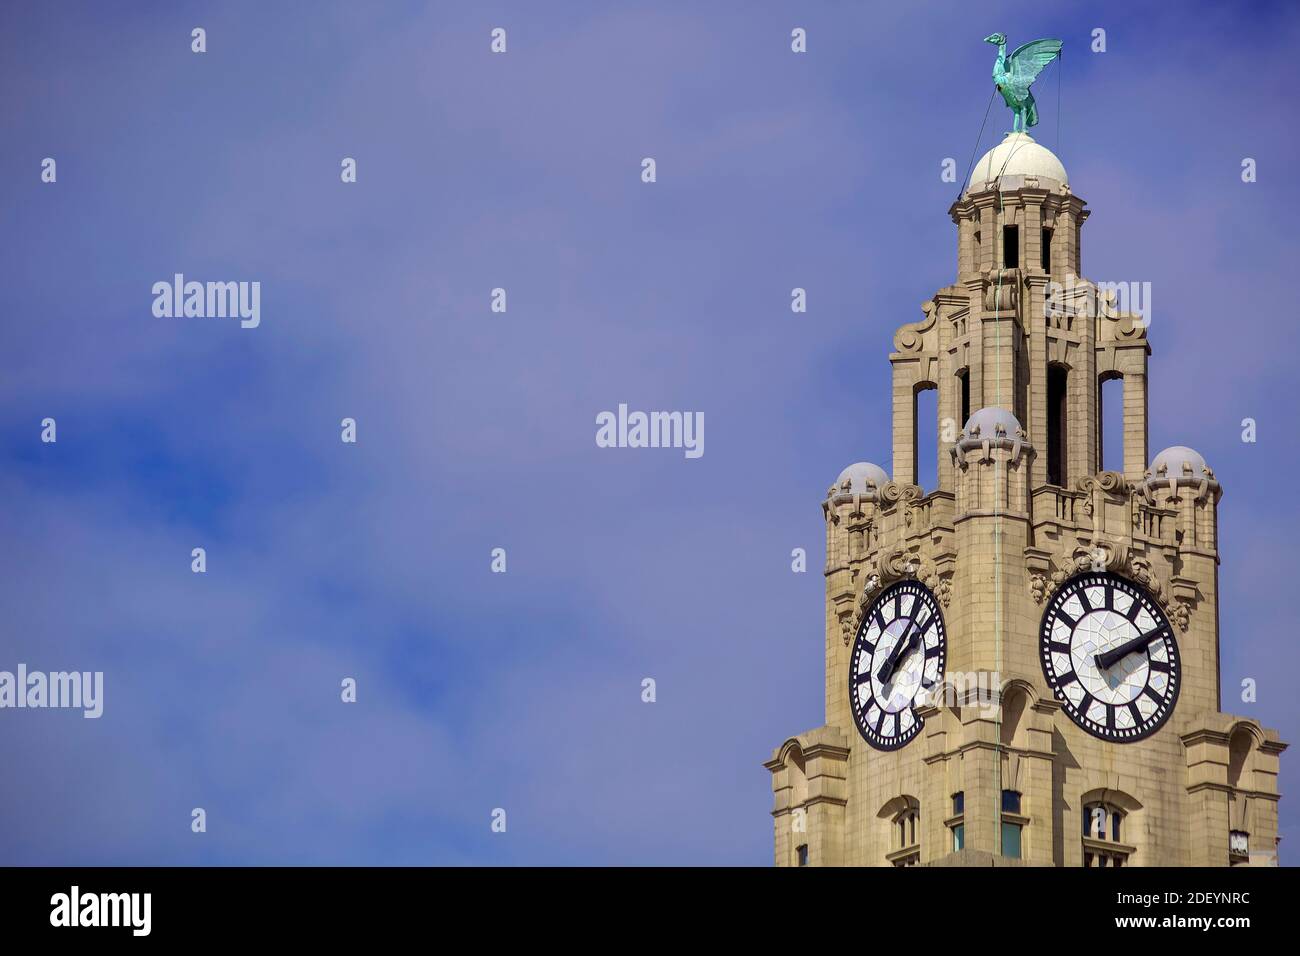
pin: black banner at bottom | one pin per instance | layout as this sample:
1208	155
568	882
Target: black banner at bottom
365	905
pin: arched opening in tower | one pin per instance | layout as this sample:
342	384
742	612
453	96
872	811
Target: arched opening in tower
925	404
1110	423
963	377
1011	247
1057	379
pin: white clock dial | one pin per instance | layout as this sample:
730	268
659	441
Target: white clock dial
898	655
1110	657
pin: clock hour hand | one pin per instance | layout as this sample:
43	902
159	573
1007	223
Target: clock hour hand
1108	659
902	647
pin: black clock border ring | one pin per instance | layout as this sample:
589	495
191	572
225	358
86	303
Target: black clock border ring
1050	613
923	593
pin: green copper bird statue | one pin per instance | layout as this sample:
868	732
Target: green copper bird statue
1014	74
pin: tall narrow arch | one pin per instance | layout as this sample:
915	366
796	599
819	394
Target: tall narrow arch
925	432
1058	380
794	762
796	778
1110	421
963	391
1016	699
1241	747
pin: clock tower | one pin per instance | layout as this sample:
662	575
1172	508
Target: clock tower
1022	663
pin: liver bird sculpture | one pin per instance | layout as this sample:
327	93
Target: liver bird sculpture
1014	74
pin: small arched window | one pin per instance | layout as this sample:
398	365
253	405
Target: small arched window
903	815
907	842
1103	829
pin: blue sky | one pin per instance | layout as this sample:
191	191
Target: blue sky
476	430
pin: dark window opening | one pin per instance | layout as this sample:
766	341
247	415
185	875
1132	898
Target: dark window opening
1047	250
976	251
1056	417
1011	247
803	854
964	375
959	802
1010	801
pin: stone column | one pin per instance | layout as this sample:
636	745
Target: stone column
904	421
1207	794
1036	419
1135	426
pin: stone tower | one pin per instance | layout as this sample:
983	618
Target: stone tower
1022	664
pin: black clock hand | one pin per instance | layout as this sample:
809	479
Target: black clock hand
1108	660
902	647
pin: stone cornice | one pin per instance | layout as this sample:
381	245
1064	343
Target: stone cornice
1047	706
822	798
1211	786
985	513
1107	846
996	746
1204	735
1256	794
829	751
904	853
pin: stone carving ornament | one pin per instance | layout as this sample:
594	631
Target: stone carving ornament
1102	555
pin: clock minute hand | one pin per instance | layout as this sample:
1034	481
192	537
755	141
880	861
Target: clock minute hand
904	644
1108	659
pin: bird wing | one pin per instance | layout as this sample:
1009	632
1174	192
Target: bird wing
1028	61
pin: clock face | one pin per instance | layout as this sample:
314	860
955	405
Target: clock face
1110	657
898	655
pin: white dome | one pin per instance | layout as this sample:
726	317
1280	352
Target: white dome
1179	461
989	423
857	475
1018	161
